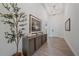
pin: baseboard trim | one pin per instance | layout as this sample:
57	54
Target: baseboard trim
71	47
55	37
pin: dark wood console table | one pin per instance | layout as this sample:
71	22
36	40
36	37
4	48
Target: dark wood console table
33	43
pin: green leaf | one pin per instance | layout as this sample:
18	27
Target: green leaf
23	28
22	24
21	14
6	6
8	16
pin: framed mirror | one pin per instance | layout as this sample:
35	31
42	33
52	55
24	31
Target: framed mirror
67	25
34	24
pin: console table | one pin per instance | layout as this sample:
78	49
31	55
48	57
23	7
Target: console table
32	43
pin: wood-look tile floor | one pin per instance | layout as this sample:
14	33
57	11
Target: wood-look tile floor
58	47
43	51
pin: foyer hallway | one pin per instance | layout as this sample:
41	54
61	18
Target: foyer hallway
57	47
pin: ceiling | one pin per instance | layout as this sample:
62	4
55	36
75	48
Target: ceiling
54	8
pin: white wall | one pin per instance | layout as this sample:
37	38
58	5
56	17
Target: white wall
56	26
72	37
35	9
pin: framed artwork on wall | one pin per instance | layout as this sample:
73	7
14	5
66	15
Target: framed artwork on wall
67	25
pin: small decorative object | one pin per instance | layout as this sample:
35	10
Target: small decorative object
34	24
15	19
67	25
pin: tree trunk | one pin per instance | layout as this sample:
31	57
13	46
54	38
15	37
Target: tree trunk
17	36
17	48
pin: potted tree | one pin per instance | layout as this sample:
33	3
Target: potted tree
14	18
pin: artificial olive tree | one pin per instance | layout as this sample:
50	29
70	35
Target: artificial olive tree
15	19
